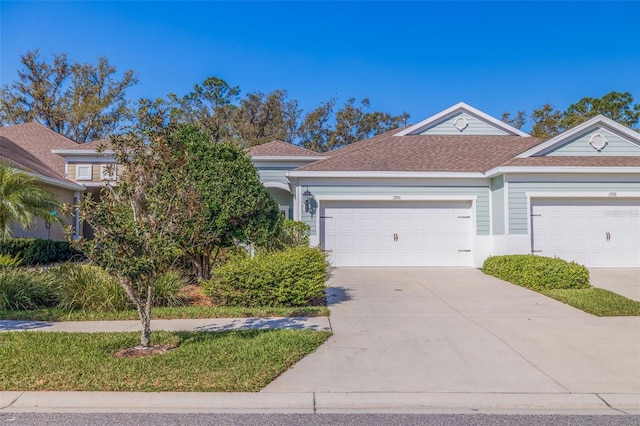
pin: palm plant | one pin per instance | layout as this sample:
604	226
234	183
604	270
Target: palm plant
22	199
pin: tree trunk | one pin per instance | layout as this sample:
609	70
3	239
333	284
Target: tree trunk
145	317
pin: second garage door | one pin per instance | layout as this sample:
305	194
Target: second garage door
593	232
411	233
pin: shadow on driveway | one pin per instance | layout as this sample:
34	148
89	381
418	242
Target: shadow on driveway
295	323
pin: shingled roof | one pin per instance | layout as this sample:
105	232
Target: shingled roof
28	147
425	153
281	149
570	161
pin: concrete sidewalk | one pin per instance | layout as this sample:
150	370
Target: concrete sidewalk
211	324
320	402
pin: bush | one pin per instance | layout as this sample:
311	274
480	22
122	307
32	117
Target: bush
21	289
7	261
166	290
39	252
89	287
292	233
537	272
293	277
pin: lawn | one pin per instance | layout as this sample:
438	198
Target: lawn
596	301
234	361
186	312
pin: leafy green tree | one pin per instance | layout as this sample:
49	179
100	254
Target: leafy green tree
324	129
547	121
211	105
82	101
232	205
22	199
617	106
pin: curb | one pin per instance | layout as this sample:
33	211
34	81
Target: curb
320	402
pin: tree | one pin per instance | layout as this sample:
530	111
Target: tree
617	106
135	221
262	118
210	106
323	130
232	206
516	121
547	121
82	101
22	199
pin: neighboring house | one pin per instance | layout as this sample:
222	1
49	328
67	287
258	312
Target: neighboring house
461	186
28	147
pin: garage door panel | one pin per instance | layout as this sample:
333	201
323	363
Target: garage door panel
428	233
594	232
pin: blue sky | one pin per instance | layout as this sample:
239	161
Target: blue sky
418	57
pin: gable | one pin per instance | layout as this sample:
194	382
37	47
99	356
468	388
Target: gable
462	119
463	123
598	137
597	142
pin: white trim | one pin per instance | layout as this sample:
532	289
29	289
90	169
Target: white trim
385	174
57	182
573	196
596	121
278	185
462	107
558	169
81	152
301	158
84	177
505	189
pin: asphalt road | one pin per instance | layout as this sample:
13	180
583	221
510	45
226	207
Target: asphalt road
191	419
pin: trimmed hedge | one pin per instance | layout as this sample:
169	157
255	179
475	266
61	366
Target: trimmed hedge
34	251
293	277
537	272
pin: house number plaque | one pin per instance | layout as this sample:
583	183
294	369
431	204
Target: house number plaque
397	197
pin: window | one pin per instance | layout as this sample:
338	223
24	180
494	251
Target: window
84	172
108	172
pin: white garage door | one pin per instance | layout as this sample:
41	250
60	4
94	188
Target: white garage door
411	233
593	232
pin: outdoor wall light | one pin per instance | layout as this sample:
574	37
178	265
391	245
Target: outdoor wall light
308	196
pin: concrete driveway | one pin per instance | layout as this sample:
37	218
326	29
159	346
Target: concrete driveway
458	330
624	281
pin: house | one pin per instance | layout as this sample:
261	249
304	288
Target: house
460	186
29	147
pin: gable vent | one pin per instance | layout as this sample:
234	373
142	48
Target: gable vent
598	142
460	123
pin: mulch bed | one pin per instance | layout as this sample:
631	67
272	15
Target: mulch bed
140	351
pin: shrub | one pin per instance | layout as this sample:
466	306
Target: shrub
166	290
537	272
21	289
39	252
292	233
7	261
293	277
89	287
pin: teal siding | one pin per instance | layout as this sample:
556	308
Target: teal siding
518	212
580	146
497	204
475	127
283	198
273	174
481	192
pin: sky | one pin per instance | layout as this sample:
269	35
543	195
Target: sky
414	57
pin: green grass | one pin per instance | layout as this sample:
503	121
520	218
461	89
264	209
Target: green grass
187	312
596	301
235	361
